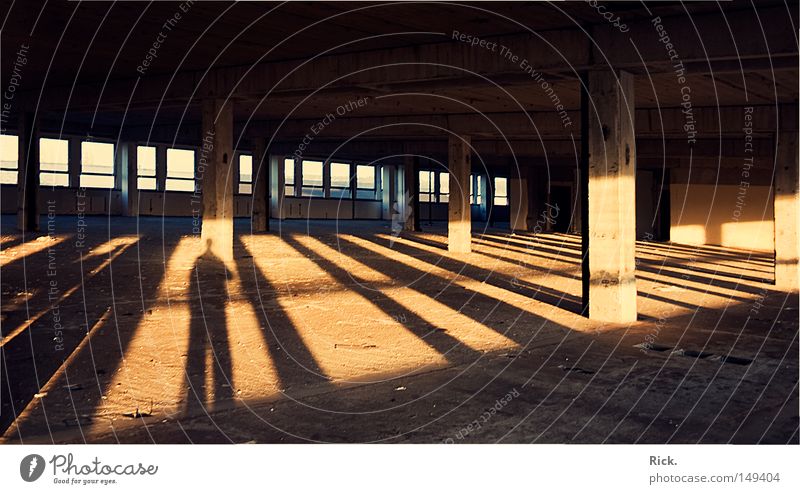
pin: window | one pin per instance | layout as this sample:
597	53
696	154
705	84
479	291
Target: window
365	182
444	187
312	179
146	167
97	165
53	162
180	170
9	159
340	180
245	174
288	176
426	186
500	191
475	185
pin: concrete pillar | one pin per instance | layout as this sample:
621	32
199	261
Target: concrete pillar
459	221
28	175
261	172
488	197
298	177
410	200
74	161
390	206
277	181
217	230
609	235
128	178
787	214
161	167
518	201
577	215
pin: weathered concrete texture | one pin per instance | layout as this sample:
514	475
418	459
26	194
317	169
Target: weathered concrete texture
261	173
410	204
356	334
128	177
787	213
277	181
518	190
459	224
217	188
611	197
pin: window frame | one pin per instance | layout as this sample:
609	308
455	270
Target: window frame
140	175
56	173
439	176
431	191
4	169
167	176
346	191
475	185
373	189
317	191
289	186
239	174
496	196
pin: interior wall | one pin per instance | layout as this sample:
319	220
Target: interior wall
66	200
329	209
738	218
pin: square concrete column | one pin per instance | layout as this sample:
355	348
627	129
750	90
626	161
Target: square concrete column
261	172
459	221
217	144
28	175
488	197
277	182
74	161
128	179
389	207
519	206
609	160
787	215
161	167
409	205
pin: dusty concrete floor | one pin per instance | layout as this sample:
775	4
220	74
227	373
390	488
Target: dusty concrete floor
350	334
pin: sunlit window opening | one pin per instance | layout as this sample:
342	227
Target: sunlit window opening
53	162
288	176
340	180
97	165
312	179
245	174
444	187
9	159
426	186
500	191
146	167
475	185
365	182
180	170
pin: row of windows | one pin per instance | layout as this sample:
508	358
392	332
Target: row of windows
97	171
435	187
97	165
312	184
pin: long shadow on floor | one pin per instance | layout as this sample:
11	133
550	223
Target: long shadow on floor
296	366
446	345
208	364
101	304
541	293
467	300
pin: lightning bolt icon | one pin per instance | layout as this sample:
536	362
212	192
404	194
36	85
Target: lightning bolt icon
32	466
